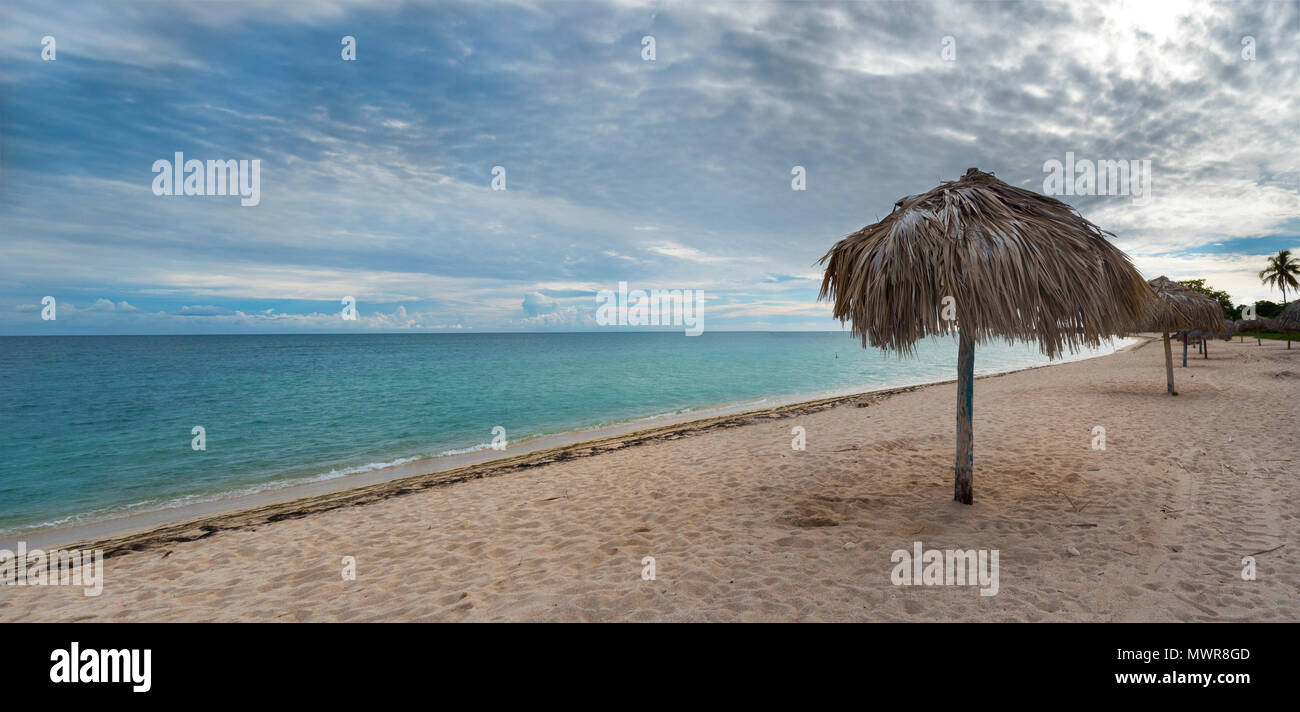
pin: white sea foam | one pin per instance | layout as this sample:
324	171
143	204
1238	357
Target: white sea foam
465	450
156	505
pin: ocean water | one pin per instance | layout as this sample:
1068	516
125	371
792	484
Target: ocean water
95	427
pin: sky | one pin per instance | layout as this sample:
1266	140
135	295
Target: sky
376	173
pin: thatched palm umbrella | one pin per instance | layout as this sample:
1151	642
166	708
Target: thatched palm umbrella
1289	320
985	260
1178	308
1252	326
1222	331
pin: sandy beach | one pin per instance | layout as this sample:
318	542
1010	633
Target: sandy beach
743	528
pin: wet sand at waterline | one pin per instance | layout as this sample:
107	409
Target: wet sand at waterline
742	527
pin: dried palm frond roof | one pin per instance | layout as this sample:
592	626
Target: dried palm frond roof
1018	265
1289	319
1180	308
1250	326
1224	330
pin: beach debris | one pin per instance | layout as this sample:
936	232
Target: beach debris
1266	551
1073	506
1071	551
849	544
813	522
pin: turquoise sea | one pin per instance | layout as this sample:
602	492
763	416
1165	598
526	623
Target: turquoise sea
95	427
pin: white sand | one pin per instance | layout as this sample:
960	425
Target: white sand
744	528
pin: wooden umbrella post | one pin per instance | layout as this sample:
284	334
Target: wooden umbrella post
1169	365
962	490
1184	349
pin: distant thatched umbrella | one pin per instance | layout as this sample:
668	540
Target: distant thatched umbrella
1223	331
1289	320
1252	326
986	260
1178	308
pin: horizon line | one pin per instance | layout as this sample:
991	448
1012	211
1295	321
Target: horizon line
444	332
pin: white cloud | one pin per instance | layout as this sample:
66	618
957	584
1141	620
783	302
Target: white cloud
672	174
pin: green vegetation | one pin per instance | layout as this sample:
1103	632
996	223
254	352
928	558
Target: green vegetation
1264	309
1223	298
1274	335
1282	272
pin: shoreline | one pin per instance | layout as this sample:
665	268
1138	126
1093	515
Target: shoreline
738	521
154	528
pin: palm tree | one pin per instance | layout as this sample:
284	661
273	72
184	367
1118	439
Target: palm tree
1281	272
1010	264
